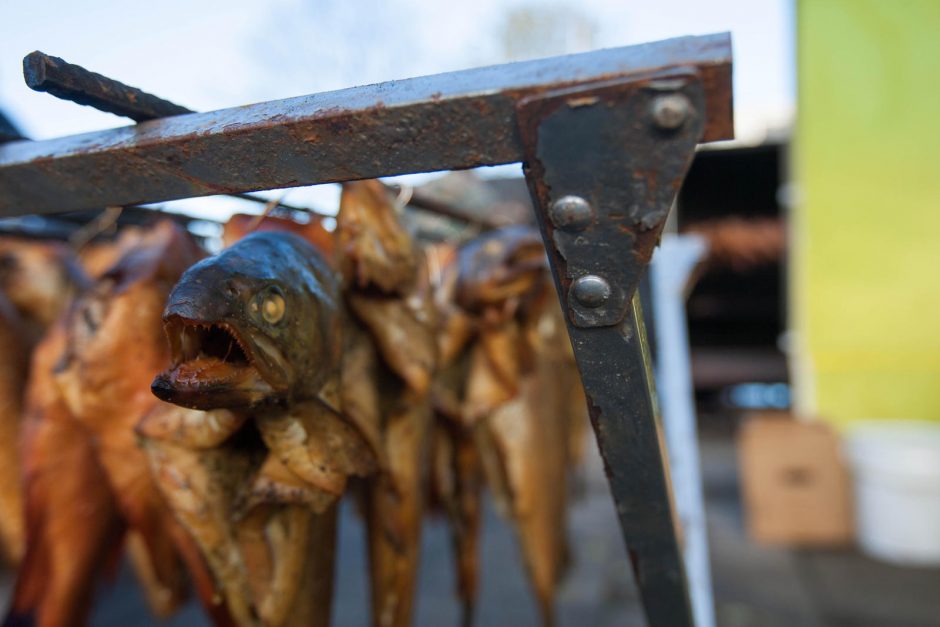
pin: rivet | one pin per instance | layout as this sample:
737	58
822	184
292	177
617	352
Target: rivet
591	290
670	111
571	213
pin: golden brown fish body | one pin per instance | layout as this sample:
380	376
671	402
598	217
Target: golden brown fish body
374	250
40	278
13	370
37	280
517	400
89	388
388	293
72	519
97	257
256	456
526	443
457	484
456	470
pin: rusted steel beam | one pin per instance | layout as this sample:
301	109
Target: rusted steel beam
73	82
448	121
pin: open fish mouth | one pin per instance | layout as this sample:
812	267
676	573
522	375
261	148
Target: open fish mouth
213	367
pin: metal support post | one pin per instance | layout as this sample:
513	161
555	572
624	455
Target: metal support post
604	163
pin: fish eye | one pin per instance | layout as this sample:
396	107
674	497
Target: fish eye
271	305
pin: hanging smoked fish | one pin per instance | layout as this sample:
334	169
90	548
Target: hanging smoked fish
85	479
13	368
388	293
456	469
256	456
40	278
37	280
518	395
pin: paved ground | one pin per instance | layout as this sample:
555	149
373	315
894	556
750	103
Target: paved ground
754	586
770	587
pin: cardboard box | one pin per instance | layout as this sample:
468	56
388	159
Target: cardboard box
795	482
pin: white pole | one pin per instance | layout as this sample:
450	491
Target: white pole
671	267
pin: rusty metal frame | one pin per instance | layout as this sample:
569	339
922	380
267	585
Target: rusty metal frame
605	139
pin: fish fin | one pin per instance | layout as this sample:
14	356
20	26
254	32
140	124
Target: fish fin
317	445
276	484
192	428
373	247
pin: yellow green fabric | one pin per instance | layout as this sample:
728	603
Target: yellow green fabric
866	232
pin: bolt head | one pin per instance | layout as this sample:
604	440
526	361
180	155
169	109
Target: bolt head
670	111
571	213
591	290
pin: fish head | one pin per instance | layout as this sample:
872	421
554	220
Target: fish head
499	265
256	323
39	277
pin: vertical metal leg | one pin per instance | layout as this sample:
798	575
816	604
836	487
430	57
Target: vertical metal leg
604	163
670	270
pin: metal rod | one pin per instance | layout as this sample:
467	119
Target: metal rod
449	121
73	82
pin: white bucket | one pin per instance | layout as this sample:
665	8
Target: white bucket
897	489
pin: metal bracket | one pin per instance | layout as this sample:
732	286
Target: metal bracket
604	163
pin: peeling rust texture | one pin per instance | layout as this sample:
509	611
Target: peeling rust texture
448	121
610	152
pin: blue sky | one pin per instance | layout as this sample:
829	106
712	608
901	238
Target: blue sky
209	54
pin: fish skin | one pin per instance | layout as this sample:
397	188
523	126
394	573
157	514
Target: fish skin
40	279
394	508
202	488
13	374
37	281
65	547
388	293
255	497
97	257
87	393
373	247
521	395
457	488
403	334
